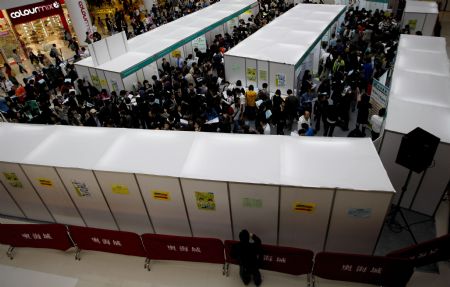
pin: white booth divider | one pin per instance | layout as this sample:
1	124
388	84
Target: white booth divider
7	204
124	64
210	184
420	16
419	97
290	45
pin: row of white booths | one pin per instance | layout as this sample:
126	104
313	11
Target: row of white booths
419	97
119	64
279	53
316	193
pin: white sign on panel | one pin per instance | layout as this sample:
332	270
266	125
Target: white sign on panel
356	221
23	192
208	208
125	200
304	215
165	204
85	192
47	183
7	205
255	208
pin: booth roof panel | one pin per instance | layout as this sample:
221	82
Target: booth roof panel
404	116
301	26
234	157
419	94
424	62
277	160
333	163
73	147
18	140
123	62
427	7
412	42
148	152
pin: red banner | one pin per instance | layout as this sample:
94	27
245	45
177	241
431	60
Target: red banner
280	259
52	236
425	253
34	11
167	247
120	242
368	269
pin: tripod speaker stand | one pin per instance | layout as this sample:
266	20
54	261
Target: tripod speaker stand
416	153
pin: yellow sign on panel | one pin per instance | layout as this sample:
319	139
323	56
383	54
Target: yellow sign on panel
45	182
304	207
160	195
120	189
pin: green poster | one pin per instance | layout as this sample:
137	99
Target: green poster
251	74
252	202
263	75
205	200
12	179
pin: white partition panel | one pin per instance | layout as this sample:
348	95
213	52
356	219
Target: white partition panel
130	82
304	216
150	70
47	183
281	77
165	203
83	73
354	216
208	208
397	173
117	44
102	79
7	204
125	200
255	208
95	80
23	192
435	180
416	21
87	196
101	51
234	69
251	73
140	76
114	81
263	74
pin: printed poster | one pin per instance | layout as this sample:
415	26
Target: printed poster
359	212
200	44
205	200
81	188
378	97
412	24
120	189
176	54
252	202
45	182
160	195
12	179
263	75
251	74
115	86
280	80
303	207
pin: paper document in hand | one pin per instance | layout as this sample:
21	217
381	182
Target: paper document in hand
213	121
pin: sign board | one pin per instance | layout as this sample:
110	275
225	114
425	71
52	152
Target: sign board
35	11
200	44
378	97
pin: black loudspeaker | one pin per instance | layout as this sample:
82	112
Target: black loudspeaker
417	150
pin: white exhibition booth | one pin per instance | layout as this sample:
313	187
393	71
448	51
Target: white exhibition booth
280	52
200	184
419	97
117	64
420	16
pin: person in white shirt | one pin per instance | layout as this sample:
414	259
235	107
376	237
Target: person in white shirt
304	119
377	121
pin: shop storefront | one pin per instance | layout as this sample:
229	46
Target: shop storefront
7	39
36	26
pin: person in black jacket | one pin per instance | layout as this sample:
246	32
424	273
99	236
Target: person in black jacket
249	255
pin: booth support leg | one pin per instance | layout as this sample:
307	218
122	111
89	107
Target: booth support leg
9	253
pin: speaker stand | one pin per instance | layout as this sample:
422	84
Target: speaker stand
393	224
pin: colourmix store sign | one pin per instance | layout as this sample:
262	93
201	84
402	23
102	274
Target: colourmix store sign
35	11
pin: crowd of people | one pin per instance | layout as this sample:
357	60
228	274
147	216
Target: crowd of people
194	96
